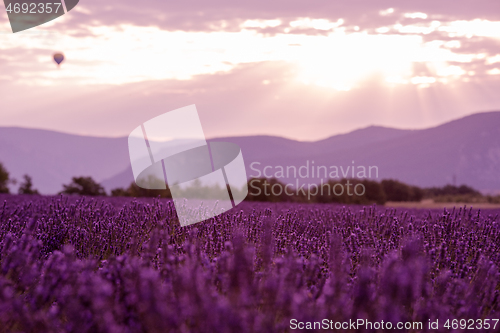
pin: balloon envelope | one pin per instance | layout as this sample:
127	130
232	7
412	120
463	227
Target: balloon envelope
58	57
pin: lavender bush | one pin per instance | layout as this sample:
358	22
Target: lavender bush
122	265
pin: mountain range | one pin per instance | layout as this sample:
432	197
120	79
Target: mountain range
463	151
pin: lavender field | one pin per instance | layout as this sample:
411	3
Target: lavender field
72	264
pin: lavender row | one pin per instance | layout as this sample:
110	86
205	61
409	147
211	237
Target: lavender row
72	264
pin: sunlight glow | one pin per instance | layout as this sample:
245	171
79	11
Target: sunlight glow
382	30
415	29
422	80
319	24
386	12
450	71
477	27
494	71
396	80
493	60
416	15
340	60
261	23
453	44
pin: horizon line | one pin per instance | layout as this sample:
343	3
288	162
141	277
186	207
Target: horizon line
257	134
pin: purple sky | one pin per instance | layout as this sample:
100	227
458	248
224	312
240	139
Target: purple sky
299	69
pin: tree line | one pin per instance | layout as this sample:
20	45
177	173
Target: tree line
25	187
78	186
263	189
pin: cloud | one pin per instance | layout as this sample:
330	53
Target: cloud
240	103
228	15
294	68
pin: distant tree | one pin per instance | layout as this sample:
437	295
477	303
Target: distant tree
83	186
397	191
451	190
119	192
26	187
136	191
374	192
4	179
417	193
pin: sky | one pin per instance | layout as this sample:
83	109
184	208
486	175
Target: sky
304	70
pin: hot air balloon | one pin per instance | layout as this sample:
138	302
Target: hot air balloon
58	58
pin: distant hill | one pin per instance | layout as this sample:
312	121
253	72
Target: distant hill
52	158
467	149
